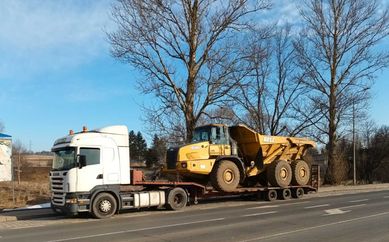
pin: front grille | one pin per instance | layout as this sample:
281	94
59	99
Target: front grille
57	189
171	158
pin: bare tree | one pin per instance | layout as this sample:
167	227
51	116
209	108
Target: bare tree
18	153
269	95
185	50
338	50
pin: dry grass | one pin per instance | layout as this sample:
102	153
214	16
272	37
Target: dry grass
33	189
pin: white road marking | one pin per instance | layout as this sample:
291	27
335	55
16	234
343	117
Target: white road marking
276	206
258	214
318	206
353	206
335	211
314	227
137	230
357	201
295	203
267	206
386	197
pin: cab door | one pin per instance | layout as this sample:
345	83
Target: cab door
91	174
219	144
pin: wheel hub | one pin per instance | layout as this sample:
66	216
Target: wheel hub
302	172
105	206
177	199
283	173
228	176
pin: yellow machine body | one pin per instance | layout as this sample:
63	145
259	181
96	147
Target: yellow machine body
255	151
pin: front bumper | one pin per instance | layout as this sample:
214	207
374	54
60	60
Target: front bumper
200	167
74	204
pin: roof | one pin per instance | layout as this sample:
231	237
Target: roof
5	136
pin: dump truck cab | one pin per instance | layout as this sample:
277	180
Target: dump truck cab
209	143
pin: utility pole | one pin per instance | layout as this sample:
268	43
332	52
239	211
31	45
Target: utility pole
354	168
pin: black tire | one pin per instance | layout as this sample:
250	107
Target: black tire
298	192
225	176
285	194
279	173
177	199
270	195
301	173
104	205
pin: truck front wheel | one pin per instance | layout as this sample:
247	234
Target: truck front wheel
104	206
176	199
225	176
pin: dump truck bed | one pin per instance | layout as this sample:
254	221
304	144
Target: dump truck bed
254	146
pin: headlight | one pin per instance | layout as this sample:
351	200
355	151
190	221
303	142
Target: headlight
71	200
183	165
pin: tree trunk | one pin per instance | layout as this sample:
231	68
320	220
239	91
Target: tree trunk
192	69
330	177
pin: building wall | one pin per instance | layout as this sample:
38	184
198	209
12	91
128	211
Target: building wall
5	160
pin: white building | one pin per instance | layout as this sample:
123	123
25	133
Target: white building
5	157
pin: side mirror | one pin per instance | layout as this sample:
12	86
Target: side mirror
81	161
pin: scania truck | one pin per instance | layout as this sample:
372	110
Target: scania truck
92	173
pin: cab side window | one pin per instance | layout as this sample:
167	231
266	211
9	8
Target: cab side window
92	155
218	136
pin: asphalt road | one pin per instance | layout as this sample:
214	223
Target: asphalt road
349	217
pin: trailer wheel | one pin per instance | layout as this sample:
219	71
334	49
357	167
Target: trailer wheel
298	192
225	176
176	199
301	173
285	194
279	173
104	206
270	195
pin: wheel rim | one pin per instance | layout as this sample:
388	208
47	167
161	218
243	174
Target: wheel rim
300	192
287	193
105	206
272	194
284	173
178	199
228	176
302	172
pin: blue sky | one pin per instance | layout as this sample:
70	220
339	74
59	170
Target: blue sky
56	72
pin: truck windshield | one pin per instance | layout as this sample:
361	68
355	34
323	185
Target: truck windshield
201	134
64	159
213	134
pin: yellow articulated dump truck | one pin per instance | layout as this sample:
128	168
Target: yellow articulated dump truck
235	157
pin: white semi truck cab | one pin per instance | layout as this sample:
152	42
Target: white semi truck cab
90	172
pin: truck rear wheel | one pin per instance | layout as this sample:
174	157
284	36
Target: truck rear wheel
271	195
301	173
225	176
279	173
104	206
176	199
285	194
298	192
